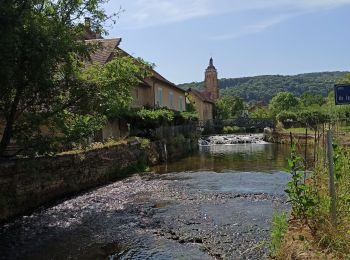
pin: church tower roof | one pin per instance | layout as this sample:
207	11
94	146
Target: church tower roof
211	64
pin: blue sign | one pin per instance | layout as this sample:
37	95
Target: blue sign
342	94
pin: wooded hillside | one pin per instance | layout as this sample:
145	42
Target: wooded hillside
263	88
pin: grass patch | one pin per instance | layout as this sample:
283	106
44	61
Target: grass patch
300	244
231	129
97	145
279	228
298	130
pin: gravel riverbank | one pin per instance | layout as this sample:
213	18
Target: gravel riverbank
188	215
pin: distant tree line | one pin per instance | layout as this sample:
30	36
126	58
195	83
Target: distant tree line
263	88
288	109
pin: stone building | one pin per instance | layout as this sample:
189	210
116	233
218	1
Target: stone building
211	83
204	101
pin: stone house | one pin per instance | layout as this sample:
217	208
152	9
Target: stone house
203	104
166	93
154	91
204	101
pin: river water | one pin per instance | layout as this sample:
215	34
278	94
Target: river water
216	204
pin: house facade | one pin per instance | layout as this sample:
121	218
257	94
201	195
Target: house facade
157	92
154	91
166	93
203	105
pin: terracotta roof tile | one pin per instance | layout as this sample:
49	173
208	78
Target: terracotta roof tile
159	77
201	95
103	54
156	75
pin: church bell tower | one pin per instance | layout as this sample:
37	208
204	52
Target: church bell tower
211	83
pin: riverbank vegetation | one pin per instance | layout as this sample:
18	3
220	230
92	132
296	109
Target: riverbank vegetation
318	228
315	230
53	97
279	227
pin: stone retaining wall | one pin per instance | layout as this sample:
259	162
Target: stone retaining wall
25	184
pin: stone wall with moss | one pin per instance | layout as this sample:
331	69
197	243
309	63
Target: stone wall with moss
26	184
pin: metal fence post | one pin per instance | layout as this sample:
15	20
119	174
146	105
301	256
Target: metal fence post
305	168
332	193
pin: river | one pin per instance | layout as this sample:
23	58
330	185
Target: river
215	204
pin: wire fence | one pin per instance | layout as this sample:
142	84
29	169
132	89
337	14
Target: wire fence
324	148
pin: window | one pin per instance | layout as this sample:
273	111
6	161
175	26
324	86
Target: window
160	97
181	103
171	100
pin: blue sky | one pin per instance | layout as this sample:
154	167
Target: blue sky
245	37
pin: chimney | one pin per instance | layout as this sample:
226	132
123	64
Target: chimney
87	22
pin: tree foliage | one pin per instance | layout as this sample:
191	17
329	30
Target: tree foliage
228	107
115	81
48	95
345	79
309	99
260	112
312	117
283	101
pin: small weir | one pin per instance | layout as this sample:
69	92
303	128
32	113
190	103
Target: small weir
233	139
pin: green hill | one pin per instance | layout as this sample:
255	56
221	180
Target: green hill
263	88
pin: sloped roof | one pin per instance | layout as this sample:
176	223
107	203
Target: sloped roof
159	77
102	55
201	95
156	75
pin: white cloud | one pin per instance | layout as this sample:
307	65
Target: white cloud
146	13
312	4
257	27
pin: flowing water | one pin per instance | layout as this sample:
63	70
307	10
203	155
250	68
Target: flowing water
216	204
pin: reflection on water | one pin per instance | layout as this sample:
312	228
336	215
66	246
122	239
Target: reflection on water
237	157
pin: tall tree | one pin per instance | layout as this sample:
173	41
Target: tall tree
309	99
42	77
283	101
229	107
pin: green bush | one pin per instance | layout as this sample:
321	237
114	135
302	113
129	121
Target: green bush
300	194
156	115
312	117
231	129
189	116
